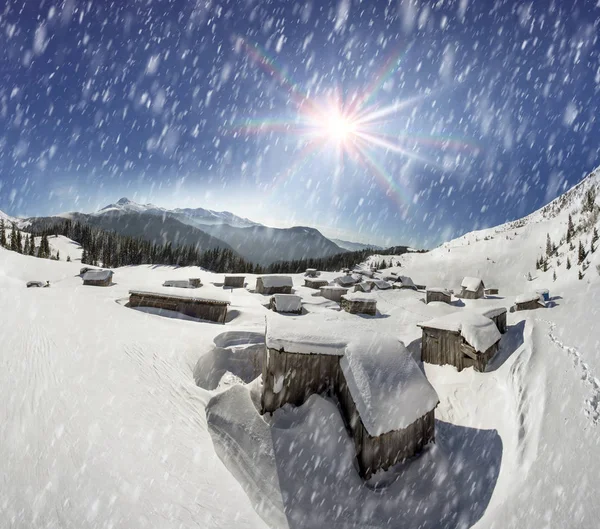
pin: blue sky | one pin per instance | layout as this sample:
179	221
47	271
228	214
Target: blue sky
153	101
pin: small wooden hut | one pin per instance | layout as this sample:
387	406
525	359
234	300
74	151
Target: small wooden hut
462	339
269	285
203	308
405	282
289	303
98	278
315	283
182	283
529	301
438	294
498	316
472	288
234	281
491	291
311	272
346	281
333	292
384	398
355	303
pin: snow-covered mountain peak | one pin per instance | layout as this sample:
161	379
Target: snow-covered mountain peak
124	205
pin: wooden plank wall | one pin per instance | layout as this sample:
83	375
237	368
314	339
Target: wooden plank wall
197	309
438	296
359	307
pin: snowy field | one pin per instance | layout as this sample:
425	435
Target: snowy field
116	417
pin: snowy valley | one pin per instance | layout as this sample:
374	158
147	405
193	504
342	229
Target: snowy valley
123	417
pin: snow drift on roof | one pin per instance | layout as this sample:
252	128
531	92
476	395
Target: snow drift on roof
478	331
358	296
287	302
276	281
406	281
439	290
471	284
208	294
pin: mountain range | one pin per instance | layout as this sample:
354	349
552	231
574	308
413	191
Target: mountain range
207	229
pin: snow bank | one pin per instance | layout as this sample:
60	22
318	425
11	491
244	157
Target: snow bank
478	330
306	336
358	296
471	284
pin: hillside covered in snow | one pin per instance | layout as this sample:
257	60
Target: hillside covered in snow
122	417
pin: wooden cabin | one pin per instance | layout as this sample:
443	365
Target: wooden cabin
85	269
462	339
269	285
405	282
311	272
529	301
195	282
98	278
356	303
346	281
333	292
498	316
182	283
234	281
438	294
472	288
491	291
315	283
289	303
203	308
384	398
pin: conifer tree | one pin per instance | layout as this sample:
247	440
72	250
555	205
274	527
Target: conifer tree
26	249
13	238
568	264
580	275
19	242
580	253
31	245
2	234
554	275
548	245
570	229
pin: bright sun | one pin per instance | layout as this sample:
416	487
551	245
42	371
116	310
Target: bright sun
338	127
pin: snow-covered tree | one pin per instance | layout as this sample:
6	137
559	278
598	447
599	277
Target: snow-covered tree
580	253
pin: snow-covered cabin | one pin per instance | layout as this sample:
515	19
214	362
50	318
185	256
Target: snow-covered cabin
384	397
438	294
290	303
498	316
183	283
212	306
234	281
462	339
372	284
315	283
529	301
357	303
333	292
274	285
405	282
311	272
346	281
38	284
472	288
98	278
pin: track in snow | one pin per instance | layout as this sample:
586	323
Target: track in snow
592	405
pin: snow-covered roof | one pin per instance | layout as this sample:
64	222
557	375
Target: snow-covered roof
209	295
310	270
387	386
381	284
471	284
530	296
180	283
492	313
287	302
478	330
439	290
276	281
406	281
345	280
97	275
359	296
334	287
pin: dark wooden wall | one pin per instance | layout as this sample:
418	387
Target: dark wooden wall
234	281
359	307
467	294
261	289
194	308
98	283
438	296
446	347
529	305
315	283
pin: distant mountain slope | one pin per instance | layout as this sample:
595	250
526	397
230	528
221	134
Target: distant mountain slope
507	254
264	245
355	246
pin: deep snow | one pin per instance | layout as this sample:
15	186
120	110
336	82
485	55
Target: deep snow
115	417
